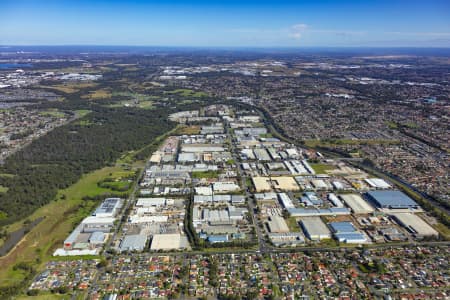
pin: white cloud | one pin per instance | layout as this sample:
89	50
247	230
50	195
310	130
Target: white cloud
296	31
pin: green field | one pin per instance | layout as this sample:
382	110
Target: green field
205	174
293	224
3	189
187	93
321	168
53	113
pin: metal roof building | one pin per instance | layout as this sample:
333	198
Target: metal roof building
134	242
391	199
415	225
357	203
108	208
277	224
315	229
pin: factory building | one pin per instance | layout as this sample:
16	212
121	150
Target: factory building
391	199
109	208
357	203
345	232
414	224
315	212
277	224
133	242
315	229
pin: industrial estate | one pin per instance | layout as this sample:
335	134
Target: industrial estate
179	175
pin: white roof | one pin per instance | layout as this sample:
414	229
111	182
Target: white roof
166	241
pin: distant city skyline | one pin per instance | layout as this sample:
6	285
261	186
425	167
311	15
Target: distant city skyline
226	23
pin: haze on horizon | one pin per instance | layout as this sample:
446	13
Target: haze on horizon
233	23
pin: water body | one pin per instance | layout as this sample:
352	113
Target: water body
7	66
16	236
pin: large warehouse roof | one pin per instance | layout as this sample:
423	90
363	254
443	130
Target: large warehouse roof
166	241
391	199
357	203
415	224
277	224
315	229
133	242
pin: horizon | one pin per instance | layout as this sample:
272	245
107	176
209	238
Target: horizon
226	24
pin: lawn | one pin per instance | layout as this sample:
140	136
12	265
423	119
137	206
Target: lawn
205	174
321	168
293	224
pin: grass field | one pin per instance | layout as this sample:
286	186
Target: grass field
321	168
47	296
53	113
70	88
98	95
293	224
205	174
3	189
187	93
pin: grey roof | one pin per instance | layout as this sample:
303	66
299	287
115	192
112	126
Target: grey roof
97	236
133	242
342	227
391	199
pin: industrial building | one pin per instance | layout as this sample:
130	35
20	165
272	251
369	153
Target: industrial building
345	232
285	200
134	242
261	184
277	224
166	242
314	212
109	208
315	229
285	183
414	224
391	199
357	203
286	239
378	183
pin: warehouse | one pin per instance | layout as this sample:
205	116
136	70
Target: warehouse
286	239
285	183
109	208
391	199
91	224
378	183
277	225
165	242
313	212
345	232
225	187
415	225
156	202
261	184
335	200
261	155
134	242
198	148
357	203
315	229
285	200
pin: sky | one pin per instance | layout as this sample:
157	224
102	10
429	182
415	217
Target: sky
232	23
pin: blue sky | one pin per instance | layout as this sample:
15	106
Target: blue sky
230	23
